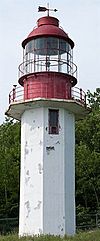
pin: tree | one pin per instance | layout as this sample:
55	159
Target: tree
88	157
94	99
9	166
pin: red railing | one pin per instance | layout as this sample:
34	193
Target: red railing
17	95
79	95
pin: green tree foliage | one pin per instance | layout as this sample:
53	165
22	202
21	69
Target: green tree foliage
88	158
94	99
9	168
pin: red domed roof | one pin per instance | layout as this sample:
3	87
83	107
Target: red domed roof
48	26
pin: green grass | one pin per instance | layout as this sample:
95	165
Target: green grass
82	236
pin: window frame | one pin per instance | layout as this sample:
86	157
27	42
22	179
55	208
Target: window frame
53	128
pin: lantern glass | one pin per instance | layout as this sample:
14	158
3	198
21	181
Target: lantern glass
48	54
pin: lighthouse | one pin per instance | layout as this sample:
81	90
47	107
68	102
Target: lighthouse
46	101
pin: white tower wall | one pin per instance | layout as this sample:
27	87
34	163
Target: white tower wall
47	184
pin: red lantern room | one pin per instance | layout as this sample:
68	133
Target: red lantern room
47	70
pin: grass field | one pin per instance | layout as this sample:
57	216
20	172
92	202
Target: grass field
84	236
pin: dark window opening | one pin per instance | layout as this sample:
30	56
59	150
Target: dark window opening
53	121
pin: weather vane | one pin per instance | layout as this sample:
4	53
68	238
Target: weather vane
44	9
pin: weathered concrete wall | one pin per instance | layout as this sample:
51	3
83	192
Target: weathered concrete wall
31	190
47	195
59	177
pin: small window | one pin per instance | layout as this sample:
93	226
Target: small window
53	121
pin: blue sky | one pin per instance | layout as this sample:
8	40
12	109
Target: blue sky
79	18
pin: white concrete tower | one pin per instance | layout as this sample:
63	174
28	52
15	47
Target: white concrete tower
47	104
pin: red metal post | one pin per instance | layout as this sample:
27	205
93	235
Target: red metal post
26	93
81	94
14	94
85	100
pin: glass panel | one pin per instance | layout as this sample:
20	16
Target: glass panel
40	46
62	46
48	54
30	47
52	46
53	121
53	117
